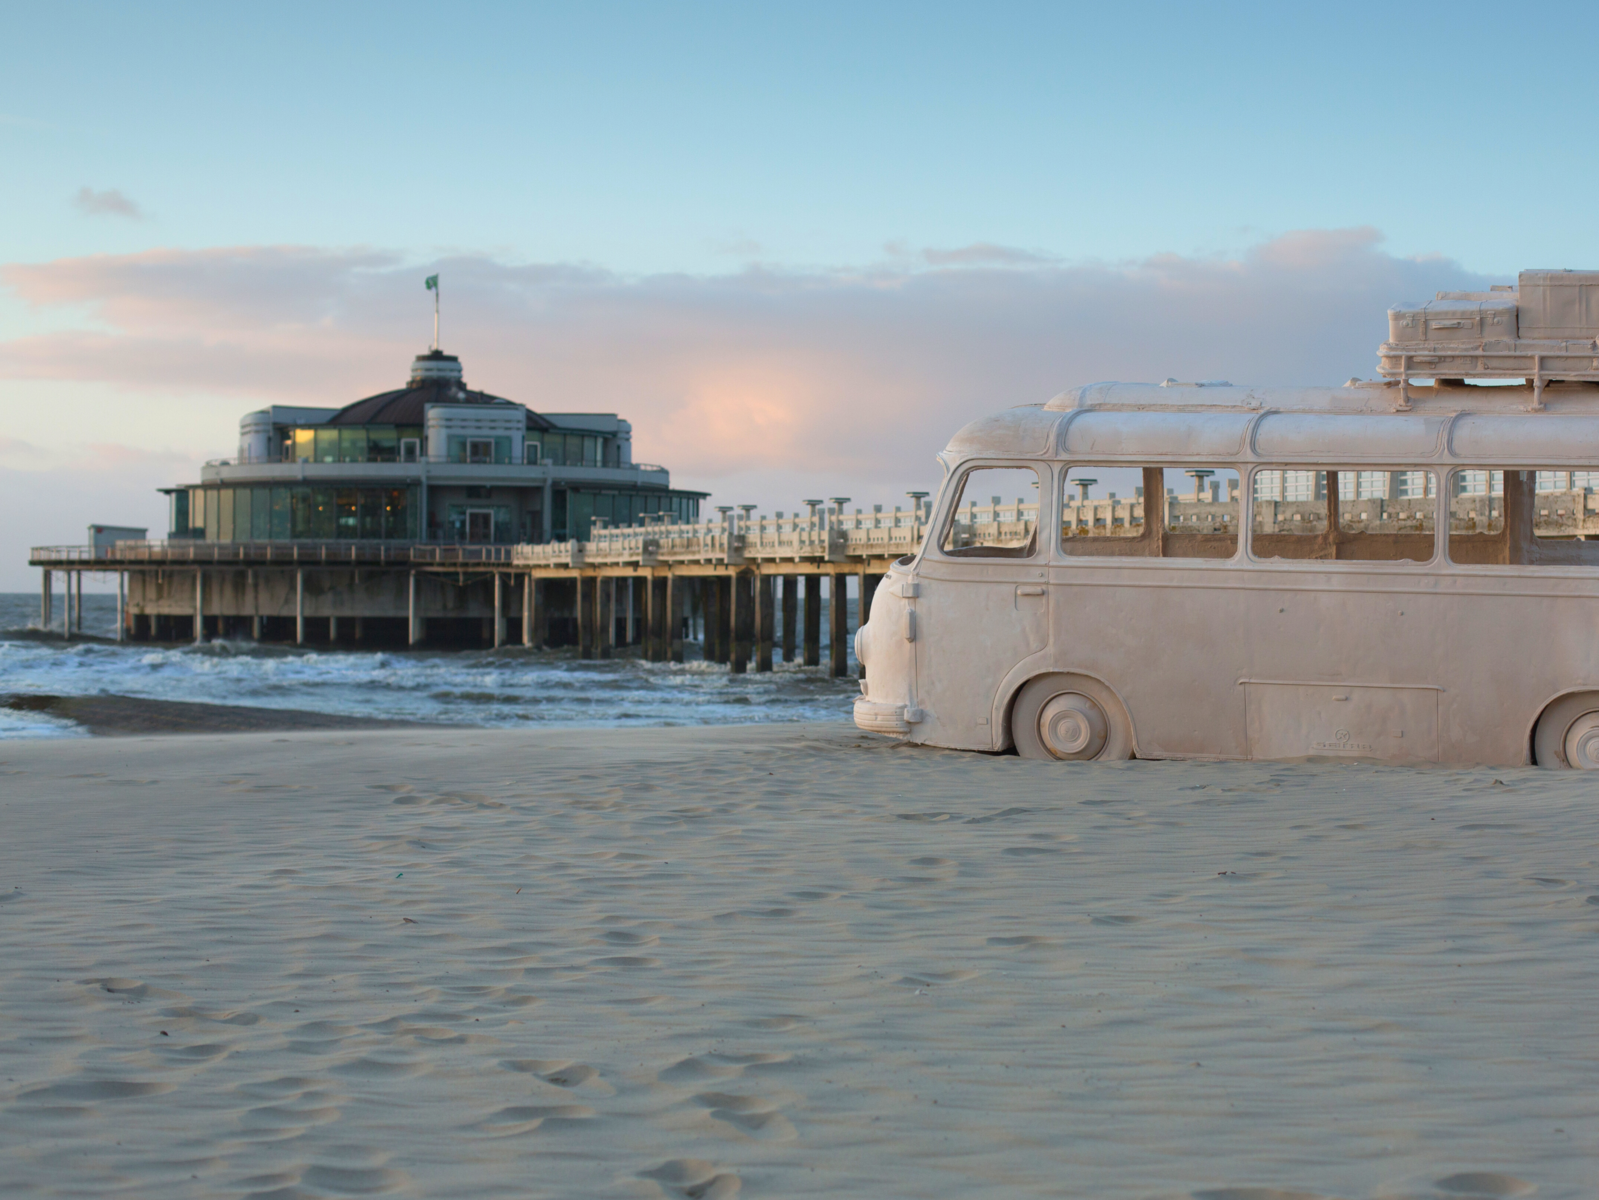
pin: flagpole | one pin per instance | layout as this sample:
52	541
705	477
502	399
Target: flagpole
435	316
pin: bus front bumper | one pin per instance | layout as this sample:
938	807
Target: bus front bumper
876	717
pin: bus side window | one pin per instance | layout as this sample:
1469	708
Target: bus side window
1150	512
1524	518
995	515
1345	516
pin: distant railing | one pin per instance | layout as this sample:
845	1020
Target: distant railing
194	550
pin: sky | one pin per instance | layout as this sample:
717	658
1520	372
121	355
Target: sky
796	245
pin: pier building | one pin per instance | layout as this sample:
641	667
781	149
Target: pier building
433	462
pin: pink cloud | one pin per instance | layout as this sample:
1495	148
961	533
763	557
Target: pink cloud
749	375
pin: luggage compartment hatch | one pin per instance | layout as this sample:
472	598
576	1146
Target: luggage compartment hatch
1343	720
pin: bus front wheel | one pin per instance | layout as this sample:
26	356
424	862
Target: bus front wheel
1070	718
1568	733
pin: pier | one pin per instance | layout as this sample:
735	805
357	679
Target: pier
748	589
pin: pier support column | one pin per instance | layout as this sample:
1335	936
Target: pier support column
252	581
333	631
868	589
66	605
586	604
527	609
711	604
765	615
607	616
299	603
499	610
46	599
676	594
629	635
790	615
413	633
77	610
654	617
838	625
813	621
122	603
199	607
743	586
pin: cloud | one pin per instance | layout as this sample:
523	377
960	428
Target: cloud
983	254
109	203
750	380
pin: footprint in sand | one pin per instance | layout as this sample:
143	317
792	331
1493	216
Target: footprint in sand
561	1072
1258	1193
750	1115
357	1180
525	1118
1021	939
694	1178
1483	1185
927	979
91	1090
717	1066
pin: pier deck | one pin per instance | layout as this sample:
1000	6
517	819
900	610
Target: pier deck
747	588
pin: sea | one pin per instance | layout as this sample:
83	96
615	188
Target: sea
509	688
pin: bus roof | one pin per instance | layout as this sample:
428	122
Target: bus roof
1360	422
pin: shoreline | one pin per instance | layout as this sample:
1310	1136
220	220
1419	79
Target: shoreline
132	716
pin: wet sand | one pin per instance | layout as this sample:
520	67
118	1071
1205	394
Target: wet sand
784	961
121	716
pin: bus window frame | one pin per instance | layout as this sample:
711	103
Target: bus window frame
1532	562
955	484
1439	558
1061	556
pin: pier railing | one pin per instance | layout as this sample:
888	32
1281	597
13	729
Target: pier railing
733	539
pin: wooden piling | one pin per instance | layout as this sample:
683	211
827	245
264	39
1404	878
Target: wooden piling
765	615
813	621
743	621
413	614
868	589
675	595
838	625
790	613
299	605
715	618
587	604
605	617
46	598
199	607
499	610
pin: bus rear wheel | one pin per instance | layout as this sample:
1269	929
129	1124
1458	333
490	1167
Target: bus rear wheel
1070	718
1568	733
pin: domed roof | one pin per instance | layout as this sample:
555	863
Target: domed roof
435	379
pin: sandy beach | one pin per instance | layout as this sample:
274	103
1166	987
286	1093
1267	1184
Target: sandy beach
781	961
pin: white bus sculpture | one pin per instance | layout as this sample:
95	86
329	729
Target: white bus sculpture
1381	570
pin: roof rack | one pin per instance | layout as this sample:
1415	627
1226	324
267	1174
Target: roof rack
1544	330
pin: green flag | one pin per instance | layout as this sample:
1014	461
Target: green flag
433	283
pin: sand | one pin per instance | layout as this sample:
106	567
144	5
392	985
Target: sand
785	961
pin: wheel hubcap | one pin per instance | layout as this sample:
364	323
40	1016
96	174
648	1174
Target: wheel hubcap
1073	726
1582	742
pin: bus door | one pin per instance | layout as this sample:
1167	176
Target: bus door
982	601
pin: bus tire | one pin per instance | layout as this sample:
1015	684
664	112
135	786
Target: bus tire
1568	733
1070	718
